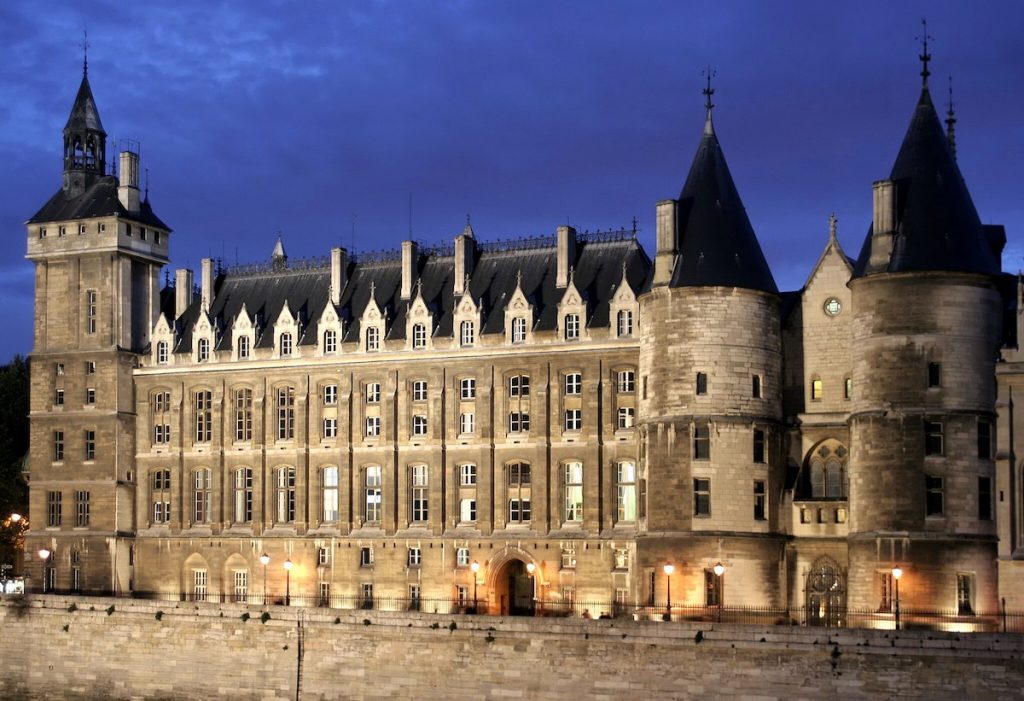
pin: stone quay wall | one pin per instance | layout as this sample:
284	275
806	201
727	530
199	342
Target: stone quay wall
88	648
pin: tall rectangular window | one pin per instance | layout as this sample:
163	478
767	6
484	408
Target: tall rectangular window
755	386
202	495
712	588
243	415
58	446
885	589
81	509
467	510
984	439
372	339
518	329
285	512
204	415
329	495
759	500
90	444
759	445
160	495
934	375
418	497
573	490
199	585
467	388
933	438
625	477
90	395
414	557
518	422
467	422
933	495
58	397
53	509
91	310
985	498
372	494
243	347
518	492
330	341
572	327
817	390
241	585
419	336
286	413
625	323
965	594
243	495
701	442
467	334
701	497
330	427
702	383
419	390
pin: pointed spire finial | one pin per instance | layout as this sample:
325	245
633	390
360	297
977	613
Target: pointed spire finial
924	56
951	120
466	284
519	277
419	287
572	274
85	52
832	222
373	291
708	91
623	268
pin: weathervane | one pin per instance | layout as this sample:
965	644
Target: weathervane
924	56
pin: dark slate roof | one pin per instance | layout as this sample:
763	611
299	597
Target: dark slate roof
84	114
98	200
937	225
264	291
717	245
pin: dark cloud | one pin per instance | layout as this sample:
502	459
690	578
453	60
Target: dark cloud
307	117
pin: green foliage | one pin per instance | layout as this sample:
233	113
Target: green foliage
264	617
13	449
244	617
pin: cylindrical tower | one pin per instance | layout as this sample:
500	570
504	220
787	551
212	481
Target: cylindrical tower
926	332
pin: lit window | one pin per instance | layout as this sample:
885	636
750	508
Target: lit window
572	327
518	330
712	588
625	475
467	388
816	390
573	383
467	333
573	491
701	497
625	323
329	494
848	388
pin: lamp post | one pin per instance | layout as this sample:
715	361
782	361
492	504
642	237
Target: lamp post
476	568
669	569
719	570
288	582
264	560
530	568
897	572
44	555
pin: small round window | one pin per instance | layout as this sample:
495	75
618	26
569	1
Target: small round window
833	306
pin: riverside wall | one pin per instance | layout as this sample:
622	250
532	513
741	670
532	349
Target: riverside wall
88	648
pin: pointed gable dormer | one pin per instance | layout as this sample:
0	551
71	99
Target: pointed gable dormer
286	333
623	309
572	312
924	217
467	319
372	324
162	342
329	330
716	246
204	338
519	315
85	141
243	335
419	322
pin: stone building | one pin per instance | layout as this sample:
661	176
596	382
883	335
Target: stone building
536	422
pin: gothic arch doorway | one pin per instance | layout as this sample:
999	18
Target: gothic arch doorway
825	590
515	589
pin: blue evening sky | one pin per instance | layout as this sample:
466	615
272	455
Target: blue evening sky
320	119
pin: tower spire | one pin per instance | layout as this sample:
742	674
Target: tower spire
85	52
924	56
951	120
708	91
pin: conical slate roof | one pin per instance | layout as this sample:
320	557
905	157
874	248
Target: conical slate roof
717	245
84	114
937	226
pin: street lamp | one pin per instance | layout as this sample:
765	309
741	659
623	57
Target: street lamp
288	582
15	518
719	570
44	555
476	568
669	569
264	560
897	572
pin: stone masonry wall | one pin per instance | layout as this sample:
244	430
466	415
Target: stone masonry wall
208	651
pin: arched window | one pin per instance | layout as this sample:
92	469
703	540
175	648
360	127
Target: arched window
329	494
202	501
285	481
243	495
828	471
825	591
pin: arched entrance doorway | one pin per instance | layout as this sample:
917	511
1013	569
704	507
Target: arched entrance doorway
514	589
826	594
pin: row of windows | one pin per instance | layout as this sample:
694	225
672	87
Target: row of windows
756	385
54	509
89	366
818	391
702	443
518	479
88	445
372	337
702	499
934	439
935	497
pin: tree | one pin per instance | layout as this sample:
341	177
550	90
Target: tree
14	393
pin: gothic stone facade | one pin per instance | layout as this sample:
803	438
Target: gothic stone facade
426	424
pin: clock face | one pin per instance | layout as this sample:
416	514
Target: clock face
833	306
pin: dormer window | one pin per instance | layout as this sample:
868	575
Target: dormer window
419	336
161	353
286	345
203	352
518	330
572	327
373	339
243	347
330	341
467	333
625	323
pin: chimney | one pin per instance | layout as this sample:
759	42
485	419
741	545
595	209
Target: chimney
665	244
409	260
182	291
566	254
128	189
883	224
339	274
206	284
465	253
